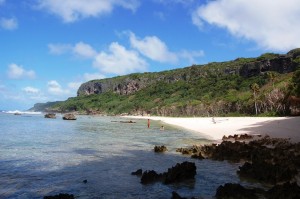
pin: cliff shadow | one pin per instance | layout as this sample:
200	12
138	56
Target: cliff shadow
288	127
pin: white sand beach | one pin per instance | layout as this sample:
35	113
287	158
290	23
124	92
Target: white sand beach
216	128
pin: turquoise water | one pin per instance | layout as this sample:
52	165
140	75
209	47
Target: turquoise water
41	157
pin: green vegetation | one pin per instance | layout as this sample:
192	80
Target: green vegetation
214	89
295	85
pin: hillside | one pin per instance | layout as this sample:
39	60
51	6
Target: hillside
43	107
240	87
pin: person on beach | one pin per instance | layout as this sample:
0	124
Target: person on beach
213	120
148	123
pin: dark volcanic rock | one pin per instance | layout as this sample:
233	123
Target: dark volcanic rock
138	172
233	151
198	156
160	149
194	150
176	196
267	172
181	172
286	191
60	196
150	177
50	115
69	116
232	191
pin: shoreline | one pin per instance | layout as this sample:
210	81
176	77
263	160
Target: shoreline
215	128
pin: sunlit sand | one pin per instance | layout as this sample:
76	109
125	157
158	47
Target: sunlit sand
216	128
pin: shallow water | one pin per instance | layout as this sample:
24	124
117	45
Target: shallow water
41	157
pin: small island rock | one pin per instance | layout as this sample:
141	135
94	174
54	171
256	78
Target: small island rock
50	115
69	116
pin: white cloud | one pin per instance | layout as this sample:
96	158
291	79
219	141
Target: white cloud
80	49
160	15
153	48
59	49
191	55
119	60
2	88
72	10
184	2
74	85
55	88
92	76
9	24
84	50
18	72
272	24
31	90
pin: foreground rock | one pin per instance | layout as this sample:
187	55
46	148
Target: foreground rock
230	190
264	171
138	172
176	196
69	116
286	191
50	115
179	173
160	149
151	177
269	160
60	196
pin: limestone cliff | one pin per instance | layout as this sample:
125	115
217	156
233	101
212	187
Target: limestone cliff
126	85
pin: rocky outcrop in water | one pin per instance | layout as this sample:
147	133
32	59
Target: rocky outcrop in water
160	149
69	116
269	160
60	196
151	177
50	115
179	173
138	172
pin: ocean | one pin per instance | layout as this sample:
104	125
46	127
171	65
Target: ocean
40	157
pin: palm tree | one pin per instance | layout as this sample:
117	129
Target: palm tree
255	89
271	76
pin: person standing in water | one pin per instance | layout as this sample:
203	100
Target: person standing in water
148	123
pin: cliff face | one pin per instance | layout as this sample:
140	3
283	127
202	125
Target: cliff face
282	64
124	86
129	84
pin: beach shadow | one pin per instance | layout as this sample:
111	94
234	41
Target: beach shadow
288	127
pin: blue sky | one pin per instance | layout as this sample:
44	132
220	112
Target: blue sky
49	47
